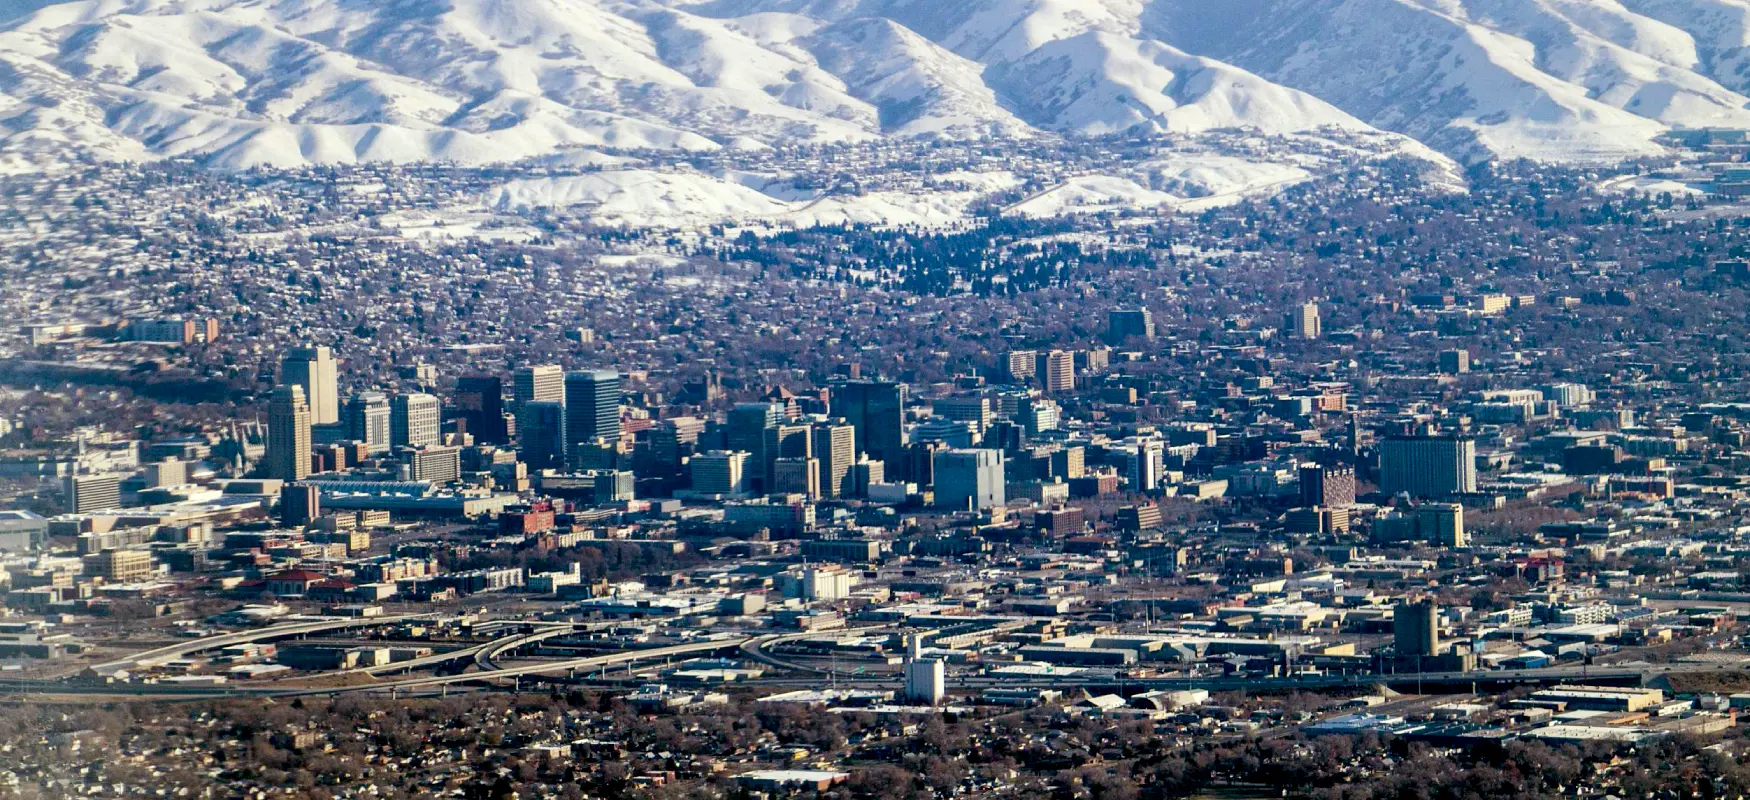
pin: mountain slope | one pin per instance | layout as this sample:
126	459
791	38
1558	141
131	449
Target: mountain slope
285	82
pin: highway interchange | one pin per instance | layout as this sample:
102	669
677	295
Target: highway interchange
495	664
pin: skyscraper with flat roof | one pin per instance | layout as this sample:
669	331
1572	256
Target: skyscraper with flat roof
1416	628
87	493
367	421
314	369
1057	371
746	429
479	401
542	435
1428	466
1327	486
592	405
1305	322
416	419
876	409
288	434
541	383
969	480
835	444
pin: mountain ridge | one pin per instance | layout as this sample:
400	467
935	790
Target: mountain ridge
240	83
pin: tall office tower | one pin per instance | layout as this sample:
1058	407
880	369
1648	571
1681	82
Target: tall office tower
835	444
1441	524
1123	324
969	480
745	431
367	421
1454	362
592	405
288	434
877	410
785	441
966	408
416	419
313	368
1057	371
720	472
1428	466
917	465
796	476
544	383
1328	487
1416	628
300	504
926	679
480	403
87	493
1304	322
542	438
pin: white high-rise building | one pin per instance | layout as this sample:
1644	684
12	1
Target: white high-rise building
288	434
835	444
1305	322
416	419
314	369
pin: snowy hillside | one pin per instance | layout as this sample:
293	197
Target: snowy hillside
238	83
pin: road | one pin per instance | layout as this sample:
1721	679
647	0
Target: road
174	691
755	647
270	633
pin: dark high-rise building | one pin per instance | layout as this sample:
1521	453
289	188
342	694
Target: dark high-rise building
876	409
300	504
592	405
1416	628
1124	323
785	441
543	435
918	463
745	432
479	401
1428	466
1327	487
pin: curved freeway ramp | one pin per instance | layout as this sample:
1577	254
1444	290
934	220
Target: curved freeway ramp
270	633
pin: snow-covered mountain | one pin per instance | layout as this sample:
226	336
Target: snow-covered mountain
287	82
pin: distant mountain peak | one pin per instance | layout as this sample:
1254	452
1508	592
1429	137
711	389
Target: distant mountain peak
239	83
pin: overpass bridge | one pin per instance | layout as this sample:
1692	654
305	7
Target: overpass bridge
267	634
